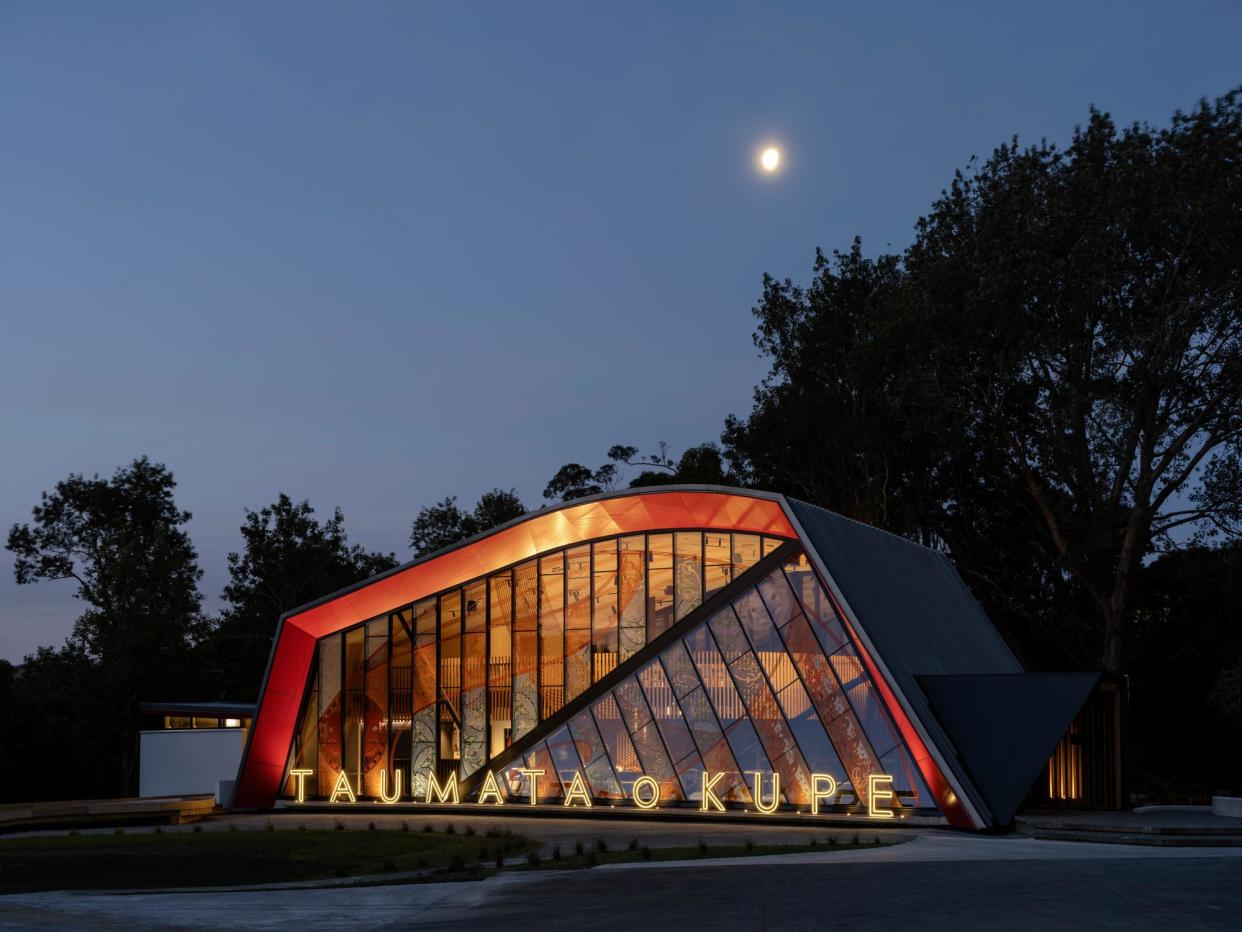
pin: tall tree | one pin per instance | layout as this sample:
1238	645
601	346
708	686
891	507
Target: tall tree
122	542
289	557
444	523
1048	381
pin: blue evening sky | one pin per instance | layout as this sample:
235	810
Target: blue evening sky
374	254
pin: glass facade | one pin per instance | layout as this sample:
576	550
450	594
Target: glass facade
766	679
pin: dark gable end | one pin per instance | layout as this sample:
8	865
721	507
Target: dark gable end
921	619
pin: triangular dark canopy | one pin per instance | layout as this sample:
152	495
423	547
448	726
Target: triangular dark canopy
1006	726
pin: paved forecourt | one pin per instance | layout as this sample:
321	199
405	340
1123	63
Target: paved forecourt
937	878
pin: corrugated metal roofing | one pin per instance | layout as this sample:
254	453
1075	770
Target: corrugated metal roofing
913	606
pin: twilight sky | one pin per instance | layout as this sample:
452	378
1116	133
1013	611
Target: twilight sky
375	254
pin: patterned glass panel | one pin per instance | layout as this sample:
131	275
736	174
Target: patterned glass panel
632	581
821	681
617	742
815	603
633	707
401	691
808	732
761	704
778	597
795	778
715	676
525	648
679	669
655	760
605	613
659	584
688	572
666	711
728	634
717	561
551	634
604	783
586	736
540	759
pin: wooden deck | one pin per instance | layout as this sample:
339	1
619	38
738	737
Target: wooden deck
175	810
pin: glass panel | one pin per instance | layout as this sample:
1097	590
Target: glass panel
666	711
631	703
728	634
425	728
659	584
551	634
549	783
500	664
604	616
907	781
809	732
329	710
688	572
778	597
795	778
690	773
375	740
449	684
577	662
746	748
307	750
578	589
851	745
632	576
603	781
617	744
355	680
815	603
655	761
586	736
770	544
400	691
732	786
745	552
715	676
767	643
761	704
821	681
564	755
718	565
474	680
701	720
679	669
525	649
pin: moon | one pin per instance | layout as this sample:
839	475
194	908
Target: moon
770	159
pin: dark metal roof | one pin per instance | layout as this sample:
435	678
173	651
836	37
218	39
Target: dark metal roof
1006	726
913	607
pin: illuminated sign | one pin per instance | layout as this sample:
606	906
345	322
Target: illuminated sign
765	791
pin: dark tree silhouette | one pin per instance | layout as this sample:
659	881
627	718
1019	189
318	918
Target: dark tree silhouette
1046	377
444	524
121	542
289	557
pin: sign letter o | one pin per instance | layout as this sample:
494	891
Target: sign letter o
646	792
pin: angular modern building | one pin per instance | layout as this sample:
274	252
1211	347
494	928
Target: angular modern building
689	647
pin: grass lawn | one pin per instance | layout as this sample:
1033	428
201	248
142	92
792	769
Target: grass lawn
189	859
597	853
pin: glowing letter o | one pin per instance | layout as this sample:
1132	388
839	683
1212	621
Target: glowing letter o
653	799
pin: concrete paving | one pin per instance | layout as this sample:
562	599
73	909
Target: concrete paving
935	880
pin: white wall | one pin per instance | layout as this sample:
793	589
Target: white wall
188	761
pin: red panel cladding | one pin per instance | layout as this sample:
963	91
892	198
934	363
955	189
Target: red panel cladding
275	721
